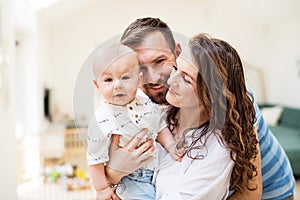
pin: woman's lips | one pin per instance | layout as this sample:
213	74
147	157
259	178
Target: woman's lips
171	91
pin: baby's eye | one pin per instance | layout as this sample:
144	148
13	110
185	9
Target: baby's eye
108	80
125	77
143	68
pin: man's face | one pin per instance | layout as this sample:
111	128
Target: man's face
156	60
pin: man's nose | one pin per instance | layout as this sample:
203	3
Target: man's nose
153	76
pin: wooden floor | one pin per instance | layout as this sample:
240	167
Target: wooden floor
38	190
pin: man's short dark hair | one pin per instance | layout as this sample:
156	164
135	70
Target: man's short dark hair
137	30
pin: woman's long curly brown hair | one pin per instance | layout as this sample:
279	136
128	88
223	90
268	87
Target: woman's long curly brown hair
222	91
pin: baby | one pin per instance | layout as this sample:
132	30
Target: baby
124	110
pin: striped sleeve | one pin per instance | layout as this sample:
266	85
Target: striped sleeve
277	174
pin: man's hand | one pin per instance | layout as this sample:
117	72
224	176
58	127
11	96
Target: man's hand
125	160
106	194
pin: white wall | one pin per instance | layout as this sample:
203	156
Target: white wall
281	67
265	34
8	153
27	90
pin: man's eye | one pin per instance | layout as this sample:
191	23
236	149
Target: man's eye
108	80
159	61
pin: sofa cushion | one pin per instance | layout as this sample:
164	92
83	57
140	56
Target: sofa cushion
272	114
288	137
290	117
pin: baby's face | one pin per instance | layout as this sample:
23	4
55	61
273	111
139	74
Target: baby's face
119	81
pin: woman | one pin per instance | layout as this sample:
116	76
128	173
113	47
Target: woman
223	138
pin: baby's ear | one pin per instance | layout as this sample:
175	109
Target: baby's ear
96	84
140	84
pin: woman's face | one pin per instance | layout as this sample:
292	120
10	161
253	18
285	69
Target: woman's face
183	85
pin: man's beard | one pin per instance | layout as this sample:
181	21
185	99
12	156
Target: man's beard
156	97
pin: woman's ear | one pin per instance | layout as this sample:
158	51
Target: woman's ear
178	50
140	83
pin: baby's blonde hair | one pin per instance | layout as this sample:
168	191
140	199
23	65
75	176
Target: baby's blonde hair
107	54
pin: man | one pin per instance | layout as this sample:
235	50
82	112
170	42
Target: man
153	41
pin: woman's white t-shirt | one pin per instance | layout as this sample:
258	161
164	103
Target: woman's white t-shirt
206	178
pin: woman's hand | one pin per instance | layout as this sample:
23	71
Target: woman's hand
127	159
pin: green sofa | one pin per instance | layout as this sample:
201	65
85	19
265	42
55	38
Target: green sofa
287	132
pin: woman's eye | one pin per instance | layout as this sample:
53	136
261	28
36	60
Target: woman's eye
108	80
185	79
174	67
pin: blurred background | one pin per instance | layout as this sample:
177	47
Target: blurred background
43	46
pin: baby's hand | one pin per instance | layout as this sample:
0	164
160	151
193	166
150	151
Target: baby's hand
106	194
175	152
